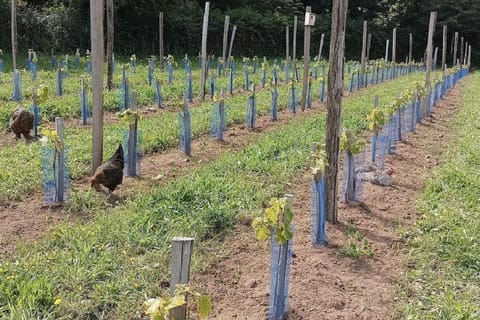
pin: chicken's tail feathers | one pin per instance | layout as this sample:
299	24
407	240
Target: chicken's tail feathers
118	155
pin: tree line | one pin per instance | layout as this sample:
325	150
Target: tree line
63	25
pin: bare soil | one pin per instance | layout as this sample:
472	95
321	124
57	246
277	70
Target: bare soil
325	284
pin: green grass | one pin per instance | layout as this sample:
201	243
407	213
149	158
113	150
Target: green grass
21	174
445	243
107	266
68	106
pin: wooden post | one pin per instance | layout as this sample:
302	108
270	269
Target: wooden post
226	26
110	39
204	50
234	30
334	105
369	46
294	49
386	50
462	43
180	274
96	26
465	53
469	56
444	49
410	48
60	162
320	49
160	40
431	30
394	52
363	54
287	46
455	45
306	57
14	33
435	55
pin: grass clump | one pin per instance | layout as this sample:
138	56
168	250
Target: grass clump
445	244
356	245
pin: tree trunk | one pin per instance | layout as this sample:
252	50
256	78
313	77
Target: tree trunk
334	105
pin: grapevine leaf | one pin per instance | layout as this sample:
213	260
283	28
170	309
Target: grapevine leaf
176	301
263	234
271	214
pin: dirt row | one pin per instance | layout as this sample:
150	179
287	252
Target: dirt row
324	283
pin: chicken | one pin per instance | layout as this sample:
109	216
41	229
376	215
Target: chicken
110	174
21	122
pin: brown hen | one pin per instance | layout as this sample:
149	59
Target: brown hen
21	122
110	174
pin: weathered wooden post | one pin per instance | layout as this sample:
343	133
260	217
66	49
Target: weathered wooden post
386	50
309	23
431	29
455	46
394	53
369	46
334	105
14	33
160	40
294	49
234	30
410	48
226	26
59	161
435	55
203	74
287	53
469	56
462	43
444	50
320	48
182	249
364	55
110	40
96	22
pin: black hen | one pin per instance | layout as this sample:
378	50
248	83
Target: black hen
110	174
